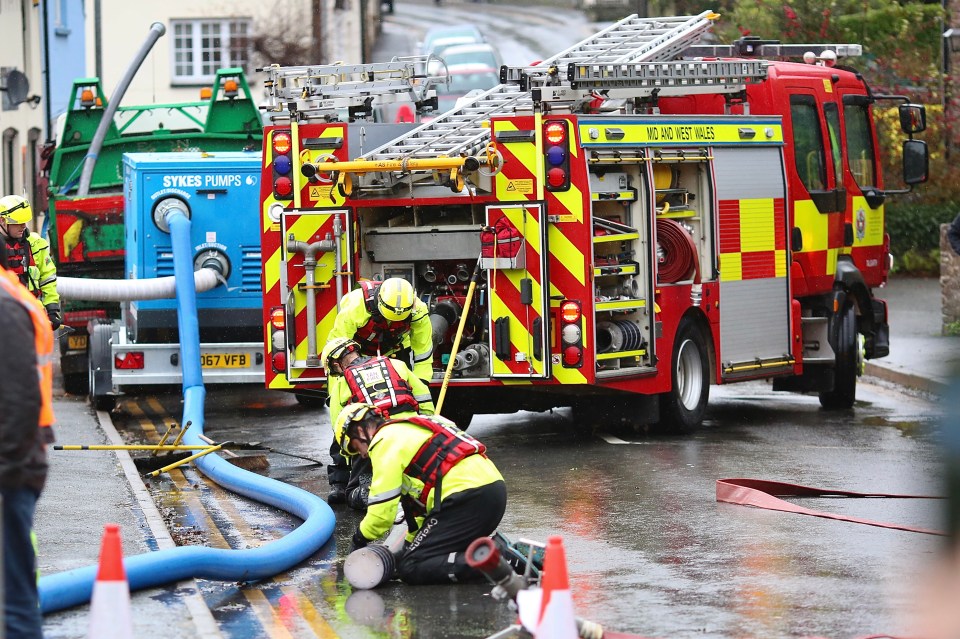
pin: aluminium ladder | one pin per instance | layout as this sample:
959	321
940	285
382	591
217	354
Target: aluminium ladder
461	131
319	91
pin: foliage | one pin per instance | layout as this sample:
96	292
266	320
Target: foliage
902	55
952	329
915	235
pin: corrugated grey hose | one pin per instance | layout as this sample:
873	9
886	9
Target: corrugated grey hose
102	290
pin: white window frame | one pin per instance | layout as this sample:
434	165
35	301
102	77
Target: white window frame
190	47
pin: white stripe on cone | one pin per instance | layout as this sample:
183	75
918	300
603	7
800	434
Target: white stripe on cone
558	621
110	611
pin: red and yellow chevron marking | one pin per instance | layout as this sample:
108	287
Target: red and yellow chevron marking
310	227
321	193
752	243
505	293
568	241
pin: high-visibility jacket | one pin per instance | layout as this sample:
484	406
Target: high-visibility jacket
381	381
359	320
30	260
43	337
392	450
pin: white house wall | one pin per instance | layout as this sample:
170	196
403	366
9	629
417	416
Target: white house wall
17	18
125	26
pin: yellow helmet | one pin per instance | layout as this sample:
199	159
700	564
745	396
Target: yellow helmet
350	413
395	299
15	209
336	348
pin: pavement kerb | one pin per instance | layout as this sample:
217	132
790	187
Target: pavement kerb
203	619
907	380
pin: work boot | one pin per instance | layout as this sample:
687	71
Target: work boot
338	494
517	555
357	497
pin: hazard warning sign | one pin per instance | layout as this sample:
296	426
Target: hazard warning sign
523	187
320	192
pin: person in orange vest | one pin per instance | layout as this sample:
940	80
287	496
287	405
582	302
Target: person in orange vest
26	395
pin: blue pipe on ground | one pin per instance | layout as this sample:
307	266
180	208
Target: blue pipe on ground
75	587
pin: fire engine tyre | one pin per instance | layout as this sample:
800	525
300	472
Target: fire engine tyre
100	369
683	408
308	400
847	349
76	383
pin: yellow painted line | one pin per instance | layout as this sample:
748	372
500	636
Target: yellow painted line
311	615
268	615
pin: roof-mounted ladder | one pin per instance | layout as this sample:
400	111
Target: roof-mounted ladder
462	131
319	91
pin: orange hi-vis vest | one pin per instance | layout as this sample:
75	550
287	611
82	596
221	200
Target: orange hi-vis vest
43	336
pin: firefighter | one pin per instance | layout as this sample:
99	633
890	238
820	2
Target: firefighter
28	255
450	492
384	382
386	318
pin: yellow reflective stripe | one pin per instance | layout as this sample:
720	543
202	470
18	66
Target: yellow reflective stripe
781	256
757	225
731	268
813	225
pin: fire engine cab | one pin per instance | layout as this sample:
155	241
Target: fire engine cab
613	229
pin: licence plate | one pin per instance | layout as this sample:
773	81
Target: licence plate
76	342
225	360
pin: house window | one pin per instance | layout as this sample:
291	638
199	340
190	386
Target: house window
201	47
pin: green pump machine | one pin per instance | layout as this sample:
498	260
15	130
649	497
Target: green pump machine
86	228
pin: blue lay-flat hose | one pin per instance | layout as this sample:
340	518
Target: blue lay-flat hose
74	587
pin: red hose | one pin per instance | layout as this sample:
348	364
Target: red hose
679	253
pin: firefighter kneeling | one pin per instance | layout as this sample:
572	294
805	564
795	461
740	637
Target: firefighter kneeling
451	493
380	381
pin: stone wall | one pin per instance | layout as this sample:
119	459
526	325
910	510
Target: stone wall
949	280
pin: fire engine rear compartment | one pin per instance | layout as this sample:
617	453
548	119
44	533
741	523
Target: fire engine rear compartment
640	270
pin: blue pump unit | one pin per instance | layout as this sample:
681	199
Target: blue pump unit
219	193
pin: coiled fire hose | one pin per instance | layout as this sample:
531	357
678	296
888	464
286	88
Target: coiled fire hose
679	253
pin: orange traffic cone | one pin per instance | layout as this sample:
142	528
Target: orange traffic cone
110	616
556	601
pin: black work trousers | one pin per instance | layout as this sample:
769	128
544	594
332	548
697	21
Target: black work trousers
437	553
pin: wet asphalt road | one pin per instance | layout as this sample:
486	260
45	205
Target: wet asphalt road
650	551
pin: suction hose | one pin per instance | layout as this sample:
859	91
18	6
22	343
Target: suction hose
148	570
104	290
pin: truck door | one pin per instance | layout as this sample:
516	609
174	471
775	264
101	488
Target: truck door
313	290
514	254
755	296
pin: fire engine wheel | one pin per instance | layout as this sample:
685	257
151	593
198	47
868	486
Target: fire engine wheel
459	414
847	367
308	400
684	406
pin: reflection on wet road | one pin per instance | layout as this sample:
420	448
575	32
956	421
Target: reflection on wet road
649	549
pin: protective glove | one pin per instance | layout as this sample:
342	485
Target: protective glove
358	541
53	313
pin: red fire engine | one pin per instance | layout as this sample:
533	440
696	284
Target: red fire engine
613	229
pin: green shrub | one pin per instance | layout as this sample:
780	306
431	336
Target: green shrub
917	262
916	226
